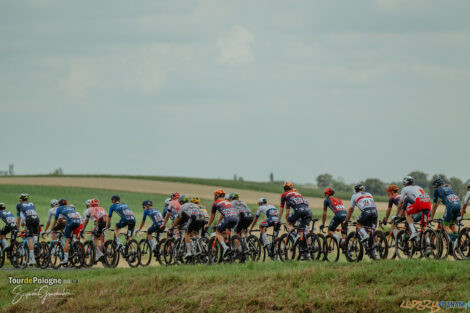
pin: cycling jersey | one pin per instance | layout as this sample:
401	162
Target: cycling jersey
467	197
293	199
173	209
26	209
122	210
446	195
204	211
224	207
8	218
69	213
240	206
95	213
412	193
190	209
267	209
363	200
394	199
154	216
335	204
51	213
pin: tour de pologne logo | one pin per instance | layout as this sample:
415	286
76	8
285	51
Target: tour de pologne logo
46	288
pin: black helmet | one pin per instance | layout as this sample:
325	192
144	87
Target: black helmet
408	180
147	202
62	202
437	182
2	206
115	198
358	187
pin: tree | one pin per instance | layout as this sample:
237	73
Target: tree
325	180
57	172
375	186
458	186
421	179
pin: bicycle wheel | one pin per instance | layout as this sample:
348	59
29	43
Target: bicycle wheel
42	258
332	246
381	245
463	246
2	256
236	251
444	244
391	244
253	246
286	245
77	253
145	252
111	253
56	255
404	246
168	253
89	253
214	250
132	253
354	248
316	246
11	253
430	244
204	256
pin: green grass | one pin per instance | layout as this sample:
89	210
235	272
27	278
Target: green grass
275	187
251	287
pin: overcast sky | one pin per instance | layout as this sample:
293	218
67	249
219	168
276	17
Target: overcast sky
211	88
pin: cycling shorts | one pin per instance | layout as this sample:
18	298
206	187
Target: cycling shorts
32	226
155	228
127	222
451	214
368	218
227	222
304	216
417	206
339	218
243	223
70	228
269	222
7	229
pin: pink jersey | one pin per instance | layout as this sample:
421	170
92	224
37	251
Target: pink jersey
95	213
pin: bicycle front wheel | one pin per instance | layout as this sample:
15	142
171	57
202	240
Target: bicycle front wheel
332	249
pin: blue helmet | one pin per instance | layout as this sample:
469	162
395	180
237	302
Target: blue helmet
115	198
147	203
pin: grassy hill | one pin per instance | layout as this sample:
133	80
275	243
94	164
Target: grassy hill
251	287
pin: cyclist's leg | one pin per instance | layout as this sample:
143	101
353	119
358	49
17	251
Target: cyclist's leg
262	231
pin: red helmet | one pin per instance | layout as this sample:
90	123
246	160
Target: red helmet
329	191
288	186
94	202
175	195
392	188
219	193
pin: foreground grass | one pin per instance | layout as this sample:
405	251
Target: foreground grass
252	287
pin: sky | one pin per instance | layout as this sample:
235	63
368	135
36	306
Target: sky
208	88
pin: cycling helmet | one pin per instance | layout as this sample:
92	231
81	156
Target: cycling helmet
175	195
219	193
183	199
437	182
288	186
147	203
54	203
468	185
234	196
329	191
359	187
2	206
167	201
196	200
262	201
63	201
392	188
115	198
88	203
24	197
408	180
94	202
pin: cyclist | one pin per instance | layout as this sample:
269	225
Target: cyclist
245	216
165	208
413	201
301	207
197	202
157	221
173	208
10	224
100	219
366	204
443	192
228	220
126	215
272	216
393	198
467	199
60	223
191	218
336	205
26	211
73	221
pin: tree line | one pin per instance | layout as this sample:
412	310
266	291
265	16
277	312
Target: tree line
378	187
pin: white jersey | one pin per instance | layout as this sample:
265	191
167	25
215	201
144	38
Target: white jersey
411	192
51	213
363	200
267	209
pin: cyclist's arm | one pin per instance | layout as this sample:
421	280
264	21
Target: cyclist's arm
176	222
85	223
211	218
323	218
348	216
287	214
111	209
254	223
433	210
167	216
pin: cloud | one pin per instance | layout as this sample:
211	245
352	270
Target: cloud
235	46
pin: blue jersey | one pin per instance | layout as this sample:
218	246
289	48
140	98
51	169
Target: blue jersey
154	215
447	196
122	210
71	216
26	209
7	217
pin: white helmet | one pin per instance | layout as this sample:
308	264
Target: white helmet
167	201
262	201
88	202
54	203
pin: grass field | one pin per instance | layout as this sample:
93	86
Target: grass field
251	287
